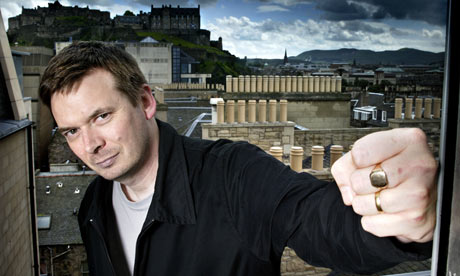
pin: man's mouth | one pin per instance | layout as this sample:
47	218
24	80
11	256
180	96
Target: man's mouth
107	162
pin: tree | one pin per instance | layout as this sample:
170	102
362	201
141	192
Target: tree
128	13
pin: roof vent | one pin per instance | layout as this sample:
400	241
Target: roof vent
77	191
48	189
59	184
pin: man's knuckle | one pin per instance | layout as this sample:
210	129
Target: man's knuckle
417	135
422	195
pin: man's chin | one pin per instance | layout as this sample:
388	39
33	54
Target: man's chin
109	174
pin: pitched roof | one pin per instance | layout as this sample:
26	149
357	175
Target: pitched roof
149	40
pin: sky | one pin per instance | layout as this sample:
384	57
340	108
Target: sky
266	28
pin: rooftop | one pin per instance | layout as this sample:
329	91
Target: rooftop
62	204
8	127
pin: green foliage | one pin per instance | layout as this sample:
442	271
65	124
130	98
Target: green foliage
361	83
220	70
74	21
128	13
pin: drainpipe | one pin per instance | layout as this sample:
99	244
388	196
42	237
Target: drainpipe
32	203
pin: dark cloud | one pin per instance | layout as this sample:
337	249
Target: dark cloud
173	3
431	11
90	3
355	26
184	3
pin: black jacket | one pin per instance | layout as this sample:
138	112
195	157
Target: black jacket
225	208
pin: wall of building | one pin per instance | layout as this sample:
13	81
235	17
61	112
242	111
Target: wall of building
324	137
320	114
33	68
292	265
264	135
154	60
15	215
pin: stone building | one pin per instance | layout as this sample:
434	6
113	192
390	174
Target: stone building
168	17
47	16
18	234
154	59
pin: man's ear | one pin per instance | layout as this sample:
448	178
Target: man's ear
149	105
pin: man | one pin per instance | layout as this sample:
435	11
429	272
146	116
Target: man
165	204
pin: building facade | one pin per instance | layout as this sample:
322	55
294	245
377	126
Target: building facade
154	59
18	234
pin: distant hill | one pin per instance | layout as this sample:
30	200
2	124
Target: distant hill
401	56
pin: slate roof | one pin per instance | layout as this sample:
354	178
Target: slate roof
390	70
8	127
60	204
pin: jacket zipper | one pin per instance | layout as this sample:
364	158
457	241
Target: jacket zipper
93	223
136	261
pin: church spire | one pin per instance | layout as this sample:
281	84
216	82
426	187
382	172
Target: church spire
285	57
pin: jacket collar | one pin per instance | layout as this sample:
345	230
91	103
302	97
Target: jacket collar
172	200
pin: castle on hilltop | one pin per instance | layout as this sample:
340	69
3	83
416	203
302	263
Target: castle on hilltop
176	21
164	18
43	16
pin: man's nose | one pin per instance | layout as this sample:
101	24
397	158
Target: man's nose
92	140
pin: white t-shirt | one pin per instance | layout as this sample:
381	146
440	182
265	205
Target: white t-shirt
130	218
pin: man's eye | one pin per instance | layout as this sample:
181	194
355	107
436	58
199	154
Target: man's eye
103	116
70	132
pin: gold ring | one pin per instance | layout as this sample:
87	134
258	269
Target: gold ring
378	177
377	202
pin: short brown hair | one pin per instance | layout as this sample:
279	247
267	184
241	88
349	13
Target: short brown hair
78	59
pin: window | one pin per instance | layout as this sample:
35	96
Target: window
374	114
44	222
384	116
84	268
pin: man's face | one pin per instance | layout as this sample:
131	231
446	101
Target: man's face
102	127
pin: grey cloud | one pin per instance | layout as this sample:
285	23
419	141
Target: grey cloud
342	37
355	26
270	26
84	3
431	11
271	8
398	32
206	3
174	3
